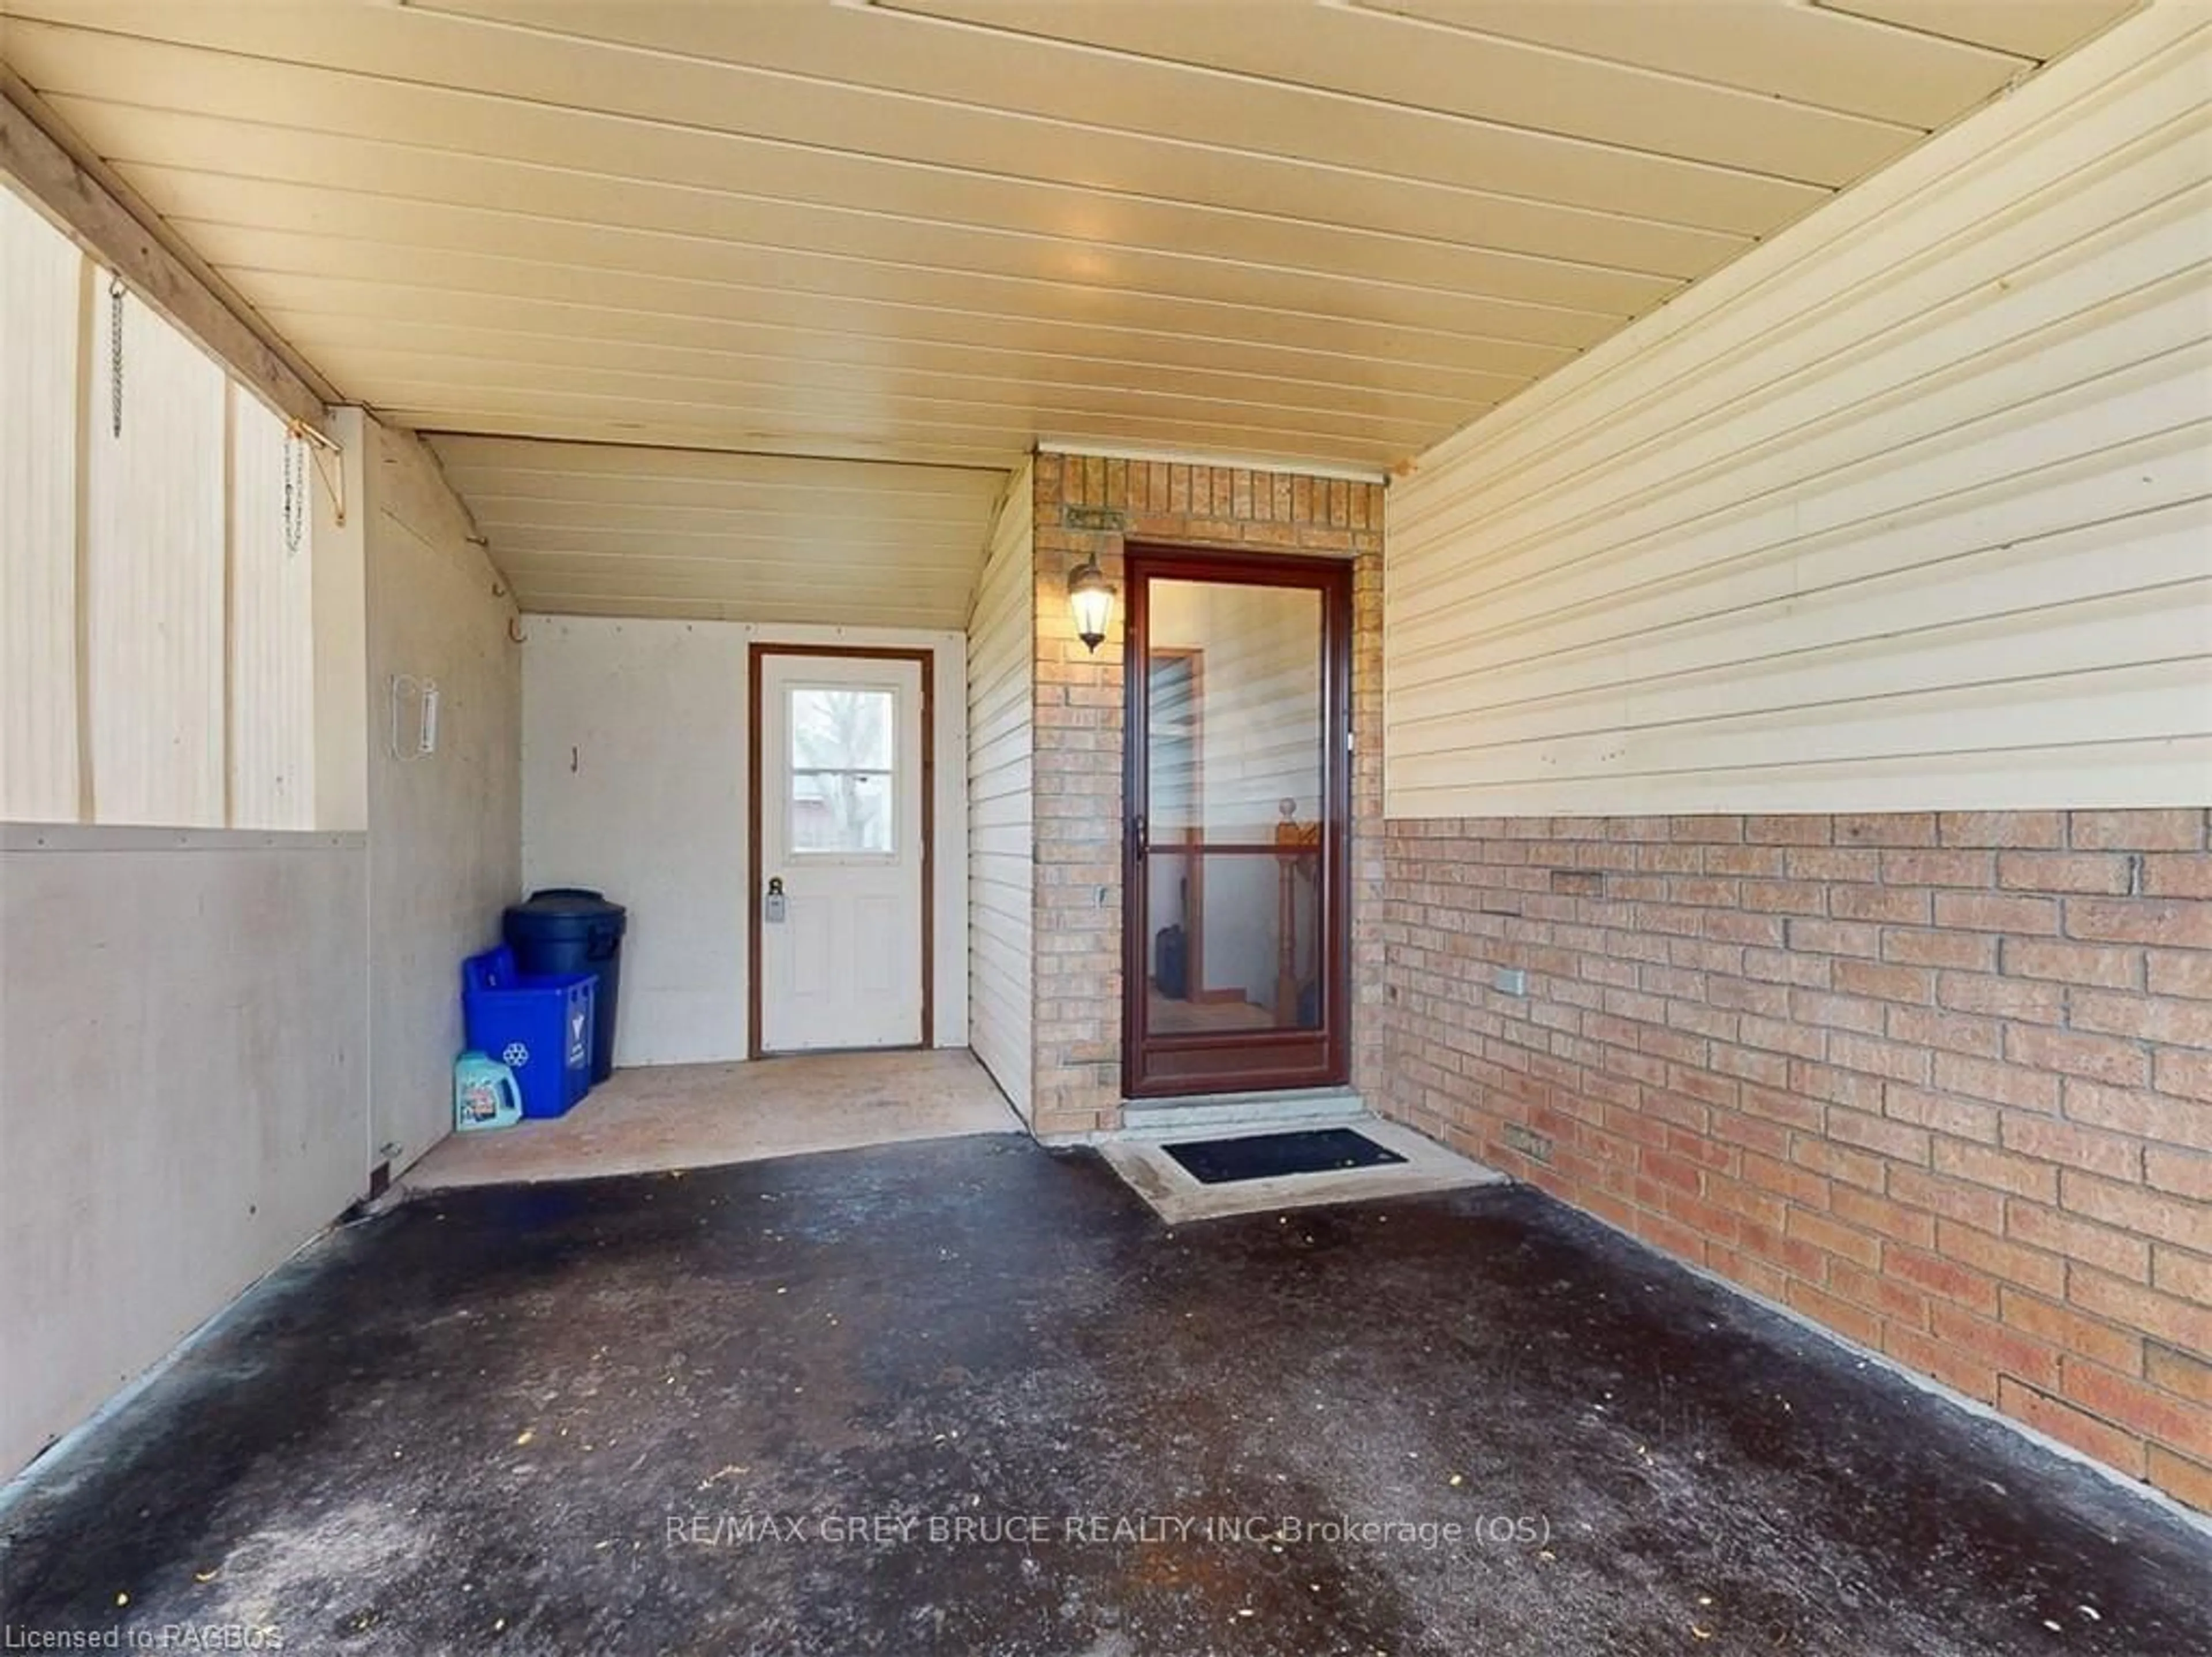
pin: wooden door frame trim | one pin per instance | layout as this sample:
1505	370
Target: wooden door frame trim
1333	579
926	659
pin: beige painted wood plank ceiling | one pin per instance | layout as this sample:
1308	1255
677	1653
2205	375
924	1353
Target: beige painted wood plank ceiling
745	309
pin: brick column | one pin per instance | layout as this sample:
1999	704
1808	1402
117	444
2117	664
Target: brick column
1076	779
1077	767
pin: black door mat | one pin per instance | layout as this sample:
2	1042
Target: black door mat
1265	1156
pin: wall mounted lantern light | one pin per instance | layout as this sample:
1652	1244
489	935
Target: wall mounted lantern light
1090	598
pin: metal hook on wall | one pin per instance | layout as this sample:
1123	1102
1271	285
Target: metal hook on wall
514	631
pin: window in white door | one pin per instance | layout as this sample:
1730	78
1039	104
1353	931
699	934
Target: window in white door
843	860
844	778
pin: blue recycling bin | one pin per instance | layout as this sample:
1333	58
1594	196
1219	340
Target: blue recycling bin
538	1027
565	929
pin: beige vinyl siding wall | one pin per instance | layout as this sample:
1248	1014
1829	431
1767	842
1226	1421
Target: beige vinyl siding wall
1907	509
1001	649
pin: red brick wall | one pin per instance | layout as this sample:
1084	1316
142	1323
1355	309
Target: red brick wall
1077	767
1941	1082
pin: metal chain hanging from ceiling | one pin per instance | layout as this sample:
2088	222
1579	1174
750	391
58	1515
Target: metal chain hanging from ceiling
295	492
115	292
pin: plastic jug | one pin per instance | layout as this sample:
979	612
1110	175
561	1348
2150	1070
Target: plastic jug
485	1094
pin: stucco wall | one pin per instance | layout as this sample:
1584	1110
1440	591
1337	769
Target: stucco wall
184	1067
445	848
634	782
209	1037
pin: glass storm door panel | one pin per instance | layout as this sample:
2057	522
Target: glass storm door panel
1238	797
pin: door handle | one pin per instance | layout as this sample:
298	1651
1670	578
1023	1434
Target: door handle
1137	834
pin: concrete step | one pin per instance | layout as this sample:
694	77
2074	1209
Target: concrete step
1179	1198
1179	1119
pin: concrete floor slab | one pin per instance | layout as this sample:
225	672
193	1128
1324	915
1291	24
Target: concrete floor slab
660	1118
971	1397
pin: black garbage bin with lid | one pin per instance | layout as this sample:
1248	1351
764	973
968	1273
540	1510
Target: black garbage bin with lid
568	929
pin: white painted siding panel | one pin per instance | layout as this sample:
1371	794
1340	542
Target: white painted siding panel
39	272
272	620
1910	508
155	554
1001	658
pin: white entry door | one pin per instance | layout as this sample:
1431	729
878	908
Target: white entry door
842	830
